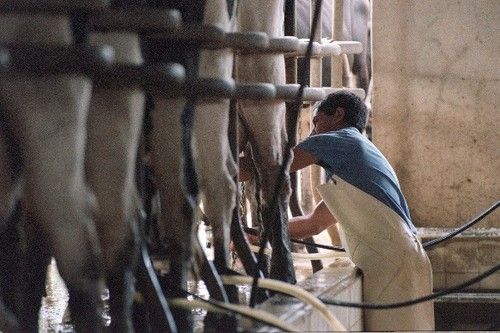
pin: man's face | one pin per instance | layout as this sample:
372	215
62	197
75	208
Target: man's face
323	122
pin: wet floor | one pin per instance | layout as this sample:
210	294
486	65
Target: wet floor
54	304
53	316
53	313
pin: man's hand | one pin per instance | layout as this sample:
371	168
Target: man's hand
252	236
254	240
245	172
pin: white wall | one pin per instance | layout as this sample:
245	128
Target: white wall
436	96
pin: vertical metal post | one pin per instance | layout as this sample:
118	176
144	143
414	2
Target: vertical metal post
337	35
315	172
291	77
290	62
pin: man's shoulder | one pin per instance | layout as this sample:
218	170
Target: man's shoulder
346	135
341	132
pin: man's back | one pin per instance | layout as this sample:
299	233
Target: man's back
347	154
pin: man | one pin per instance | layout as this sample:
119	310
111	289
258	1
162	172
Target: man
364	196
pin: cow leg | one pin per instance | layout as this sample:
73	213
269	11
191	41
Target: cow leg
110	170
114	124
250	191
268	155
268	145
47	117
37	259
21	296
9	178
51	134
8	322
114	119
215	165
356	27
216	170
9	213
175	226
11	262
266	123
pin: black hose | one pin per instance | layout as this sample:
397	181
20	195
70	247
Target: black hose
319	246
255	232
379	306
416	300
434	242
286	159
427	245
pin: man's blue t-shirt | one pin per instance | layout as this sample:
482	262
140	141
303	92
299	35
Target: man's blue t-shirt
349	155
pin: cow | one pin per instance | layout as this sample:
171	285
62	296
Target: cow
265	127
113	129
46	121
215	167
105	130
356	21
206	153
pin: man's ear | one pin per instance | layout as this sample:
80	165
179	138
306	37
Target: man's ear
339	115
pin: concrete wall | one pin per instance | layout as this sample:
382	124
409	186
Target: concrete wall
436	96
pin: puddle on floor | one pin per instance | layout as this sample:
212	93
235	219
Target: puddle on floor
53	316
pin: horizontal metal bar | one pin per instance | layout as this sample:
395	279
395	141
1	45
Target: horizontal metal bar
289	92
51	6
39	60
284	44
136	20
169	76
195	33
349	47
326	48
255	91
357	91
200	88
240	41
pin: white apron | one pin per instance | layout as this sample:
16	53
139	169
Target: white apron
394	264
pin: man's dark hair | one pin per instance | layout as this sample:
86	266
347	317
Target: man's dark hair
356	113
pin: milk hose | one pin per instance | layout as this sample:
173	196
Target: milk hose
288	289
269	319
434	242
416	300
304	256
216	306
427	245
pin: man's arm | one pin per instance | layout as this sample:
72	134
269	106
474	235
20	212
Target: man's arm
301	159
311	224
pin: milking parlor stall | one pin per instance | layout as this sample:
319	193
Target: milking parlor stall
145	154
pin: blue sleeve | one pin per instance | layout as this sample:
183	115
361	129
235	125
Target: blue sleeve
316	145
331	150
